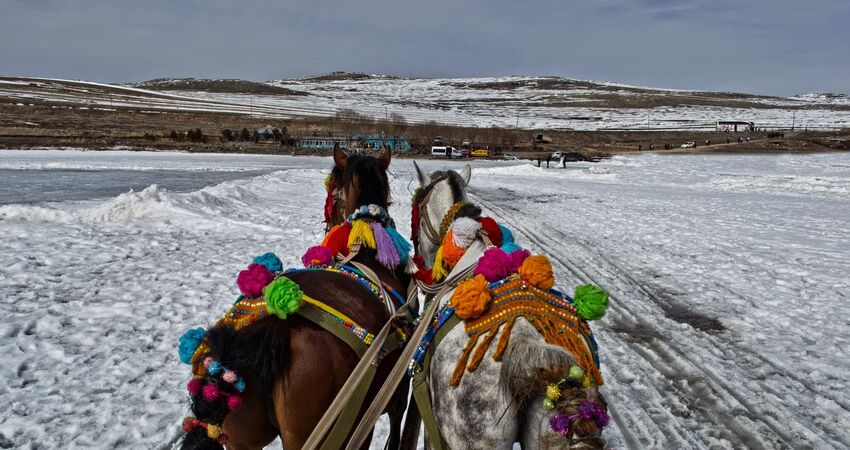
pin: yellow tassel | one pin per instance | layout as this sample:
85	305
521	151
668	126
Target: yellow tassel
361	232
438	272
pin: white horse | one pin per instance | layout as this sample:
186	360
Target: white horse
501	402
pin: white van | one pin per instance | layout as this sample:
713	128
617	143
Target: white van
444	151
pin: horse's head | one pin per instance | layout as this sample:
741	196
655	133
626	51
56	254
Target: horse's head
440	198
356	180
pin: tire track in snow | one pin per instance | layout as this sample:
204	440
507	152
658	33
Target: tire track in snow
671	352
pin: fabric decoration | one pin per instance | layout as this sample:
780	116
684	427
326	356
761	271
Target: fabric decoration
317	255
387	254
510	247
507	235
439	271
189	342
493	231
590	301
252	280
451	252
470	298
271	261
361	233
537	271
494	265
517	258
464	231
337	239
283	297
402	246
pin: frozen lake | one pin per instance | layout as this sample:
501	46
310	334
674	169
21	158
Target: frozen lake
728	275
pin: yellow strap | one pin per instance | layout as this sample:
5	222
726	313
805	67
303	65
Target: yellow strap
328	309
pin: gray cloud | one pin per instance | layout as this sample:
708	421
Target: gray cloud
775	47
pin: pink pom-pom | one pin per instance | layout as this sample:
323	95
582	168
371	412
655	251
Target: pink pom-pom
252	280
207	361
234	402
494	265
517	257
229	376
318	255
194	386
211	392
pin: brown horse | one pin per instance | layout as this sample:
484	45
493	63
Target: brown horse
294	368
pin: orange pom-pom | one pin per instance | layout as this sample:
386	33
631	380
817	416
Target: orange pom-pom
337	239
537	271
451	252
471	298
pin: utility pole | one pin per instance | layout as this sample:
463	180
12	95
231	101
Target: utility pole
793	119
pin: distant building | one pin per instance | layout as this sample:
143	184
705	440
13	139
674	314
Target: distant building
268	134
321	142
396	143
735	126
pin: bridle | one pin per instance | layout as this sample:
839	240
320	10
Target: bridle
333	202
422	220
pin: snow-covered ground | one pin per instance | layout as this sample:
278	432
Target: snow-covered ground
728	276
524	102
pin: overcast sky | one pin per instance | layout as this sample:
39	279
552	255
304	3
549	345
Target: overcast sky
778	47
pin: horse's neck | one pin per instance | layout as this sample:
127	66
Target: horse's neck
397	279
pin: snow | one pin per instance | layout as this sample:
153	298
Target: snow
524	102
728	276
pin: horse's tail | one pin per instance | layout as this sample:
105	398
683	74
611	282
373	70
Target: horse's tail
530	366
256	351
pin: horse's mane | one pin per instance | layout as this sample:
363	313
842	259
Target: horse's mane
373	185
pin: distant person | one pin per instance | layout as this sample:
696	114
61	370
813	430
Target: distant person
652	146
640	147
548	158
564	161
727	140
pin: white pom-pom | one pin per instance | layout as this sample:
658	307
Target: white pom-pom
464	230
411	268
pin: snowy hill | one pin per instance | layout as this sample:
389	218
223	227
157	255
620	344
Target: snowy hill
525	102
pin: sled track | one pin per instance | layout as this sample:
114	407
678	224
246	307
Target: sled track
714	405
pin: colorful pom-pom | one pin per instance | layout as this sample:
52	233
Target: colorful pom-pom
510	247
464	231
239	385
560	424
537	271
213	431
252	280
494	265
471	298
451	253
318	255
337	239
188	424
553	392
229	376
576	372
270	261
548	404
590	301
283	297
189	342
194	386
507	235
215	368
208	362
517	258
234	402
210	392
493	231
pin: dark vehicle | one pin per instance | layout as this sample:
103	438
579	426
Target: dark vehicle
574	156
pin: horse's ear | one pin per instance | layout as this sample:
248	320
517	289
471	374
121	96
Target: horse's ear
385	158
423	179
340	158
466	173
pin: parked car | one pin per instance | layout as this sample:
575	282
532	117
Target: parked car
570	156
508	157
481	153
689	144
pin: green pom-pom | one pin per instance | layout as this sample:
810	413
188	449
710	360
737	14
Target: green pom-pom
590	302
576	372
283	297
548	404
